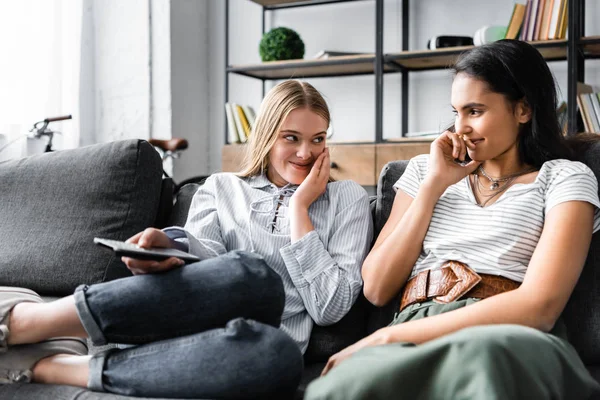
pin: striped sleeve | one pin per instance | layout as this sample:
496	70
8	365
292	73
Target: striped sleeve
329	279
410	180
573	181
202	232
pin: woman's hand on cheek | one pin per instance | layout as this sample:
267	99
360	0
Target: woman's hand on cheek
315	183
444	169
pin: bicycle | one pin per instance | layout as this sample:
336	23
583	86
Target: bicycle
172	149
39	130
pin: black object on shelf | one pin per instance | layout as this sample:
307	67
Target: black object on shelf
438	42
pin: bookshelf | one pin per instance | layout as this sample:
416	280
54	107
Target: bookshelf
575	50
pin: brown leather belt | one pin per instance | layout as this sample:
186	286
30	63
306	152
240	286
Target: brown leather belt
452	282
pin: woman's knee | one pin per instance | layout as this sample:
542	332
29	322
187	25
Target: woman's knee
258	274
276	359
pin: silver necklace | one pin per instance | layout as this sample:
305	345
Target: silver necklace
495	182
495	187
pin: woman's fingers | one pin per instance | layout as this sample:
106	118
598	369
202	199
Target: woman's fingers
135	238
469	143
150	237
330	364
458	151
139	267
325	166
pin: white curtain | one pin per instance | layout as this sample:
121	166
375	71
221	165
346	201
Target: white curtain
40	69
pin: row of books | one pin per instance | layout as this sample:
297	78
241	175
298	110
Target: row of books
589	107
240	120
533	20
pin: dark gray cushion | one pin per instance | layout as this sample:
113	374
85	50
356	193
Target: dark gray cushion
183	200
582	314
391	172
325	341
54	204
36	391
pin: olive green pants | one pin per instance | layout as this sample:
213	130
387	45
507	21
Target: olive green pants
483	362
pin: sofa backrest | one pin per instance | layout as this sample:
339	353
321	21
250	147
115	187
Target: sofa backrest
54	204
582	313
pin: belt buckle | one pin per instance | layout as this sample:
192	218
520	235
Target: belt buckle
467	280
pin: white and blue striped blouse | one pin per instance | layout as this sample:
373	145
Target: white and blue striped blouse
320	272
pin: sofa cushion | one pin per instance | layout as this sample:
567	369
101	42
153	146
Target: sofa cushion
54	204
183	200
325	341
391	172
582	314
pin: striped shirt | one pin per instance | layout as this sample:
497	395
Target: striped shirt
320	272
498	239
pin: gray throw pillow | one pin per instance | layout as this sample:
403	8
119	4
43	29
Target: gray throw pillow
53	205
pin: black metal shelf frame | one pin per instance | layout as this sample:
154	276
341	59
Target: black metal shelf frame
382	64
378	59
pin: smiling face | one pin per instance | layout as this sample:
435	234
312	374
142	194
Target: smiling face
300	140
487	118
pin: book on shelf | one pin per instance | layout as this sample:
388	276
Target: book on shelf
516	21
563	117
232	133
596	108
538	20
524	27
542	20
555	18
325	54
250	115
547	12
562	28
244	122
240	120
583	89
532	20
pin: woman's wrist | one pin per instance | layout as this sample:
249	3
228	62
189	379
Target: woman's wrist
296	205
433	187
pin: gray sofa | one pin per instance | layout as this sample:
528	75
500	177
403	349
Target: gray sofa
53	205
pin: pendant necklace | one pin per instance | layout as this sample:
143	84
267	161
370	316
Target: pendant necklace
495	182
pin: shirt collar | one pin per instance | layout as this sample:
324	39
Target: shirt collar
261	181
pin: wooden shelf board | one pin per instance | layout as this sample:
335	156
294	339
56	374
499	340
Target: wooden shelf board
591	45
275	3
412	60
443	58
333	66
407	140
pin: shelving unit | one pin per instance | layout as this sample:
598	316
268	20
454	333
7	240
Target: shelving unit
575	51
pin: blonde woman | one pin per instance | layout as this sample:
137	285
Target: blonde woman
281	247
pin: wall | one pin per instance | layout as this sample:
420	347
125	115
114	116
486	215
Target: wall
145	75
350	26
189	85
121	72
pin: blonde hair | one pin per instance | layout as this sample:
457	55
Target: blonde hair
275	107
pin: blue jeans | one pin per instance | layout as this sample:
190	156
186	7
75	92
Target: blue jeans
205	330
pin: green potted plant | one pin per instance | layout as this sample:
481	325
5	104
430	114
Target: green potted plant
281	44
